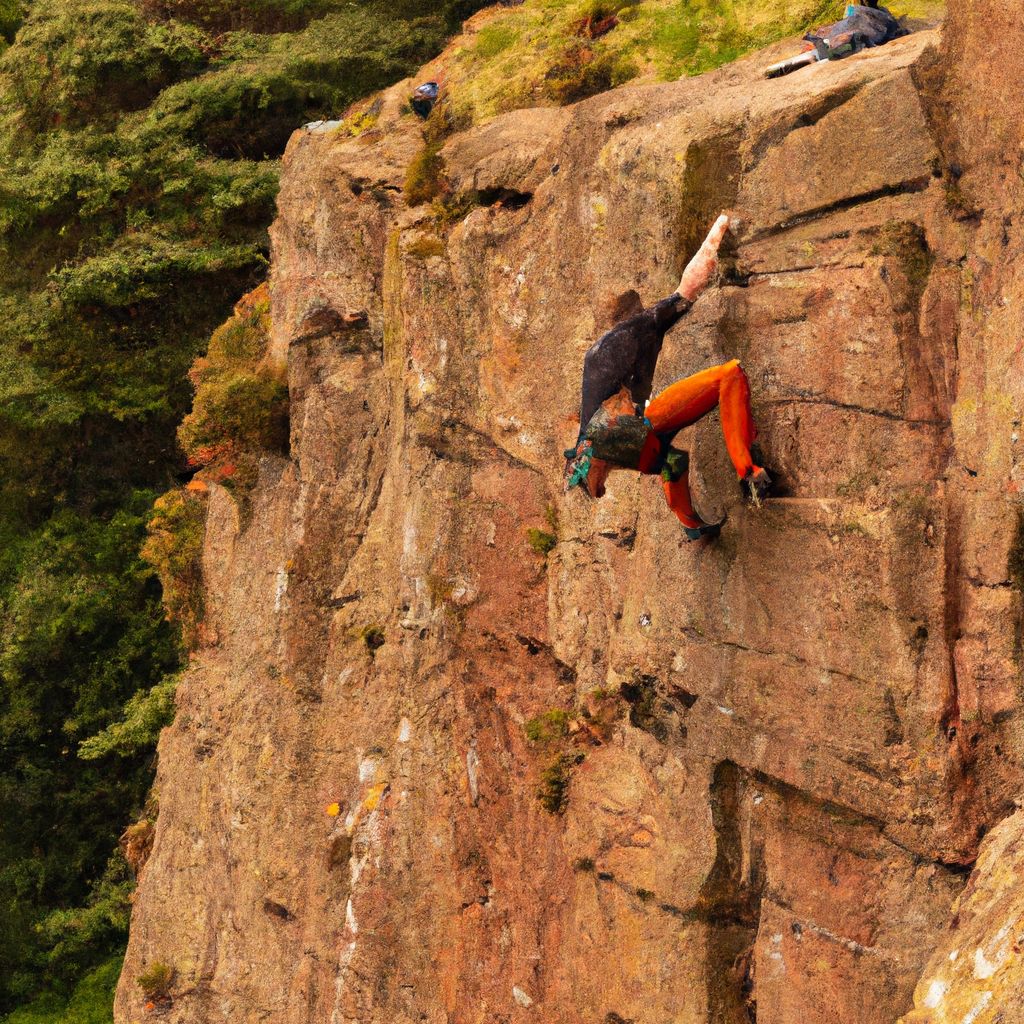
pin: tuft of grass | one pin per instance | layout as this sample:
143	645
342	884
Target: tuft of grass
156	981
551	725
449	207
541	541
425	178
425	247
553	791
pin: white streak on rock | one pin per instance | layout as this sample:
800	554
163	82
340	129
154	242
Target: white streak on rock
973	1013
367	769
472	764
936	993
521	997
983	967
280	587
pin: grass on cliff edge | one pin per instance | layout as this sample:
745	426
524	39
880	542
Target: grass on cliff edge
548	52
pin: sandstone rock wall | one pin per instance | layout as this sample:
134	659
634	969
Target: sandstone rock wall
783	747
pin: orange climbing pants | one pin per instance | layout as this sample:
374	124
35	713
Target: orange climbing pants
677	494
678	406
684	402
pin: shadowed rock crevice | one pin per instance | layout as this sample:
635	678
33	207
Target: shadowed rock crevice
730	899
710	184
911	186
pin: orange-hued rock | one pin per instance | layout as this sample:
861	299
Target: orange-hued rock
977	971
760	767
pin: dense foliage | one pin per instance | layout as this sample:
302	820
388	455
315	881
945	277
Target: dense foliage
138	170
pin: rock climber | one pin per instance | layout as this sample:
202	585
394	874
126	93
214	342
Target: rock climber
424	98
617	431
864	25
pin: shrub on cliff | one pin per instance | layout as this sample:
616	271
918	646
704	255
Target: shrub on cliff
240	410
241	403
174	548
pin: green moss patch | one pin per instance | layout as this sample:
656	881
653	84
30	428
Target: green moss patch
553	791
426	246
542	542
905	242
548	727
424	177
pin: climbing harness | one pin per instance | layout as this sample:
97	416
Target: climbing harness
579	466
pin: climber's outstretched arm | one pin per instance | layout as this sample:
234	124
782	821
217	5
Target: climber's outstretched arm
701	268
670	311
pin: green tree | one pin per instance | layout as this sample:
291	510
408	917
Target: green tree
139	147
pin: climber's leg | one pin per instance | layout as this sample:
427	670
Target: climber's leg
688	400
684	402
677	494
737	419
740	432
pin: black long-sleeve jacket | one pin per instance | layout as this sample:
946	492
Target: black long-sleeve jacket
626	356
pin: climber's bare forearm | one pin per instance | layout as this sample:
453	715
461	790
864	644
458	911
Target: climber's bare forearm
701	268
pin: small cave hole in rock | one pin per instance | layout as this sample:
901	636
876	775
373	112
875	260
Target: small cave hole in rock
506	198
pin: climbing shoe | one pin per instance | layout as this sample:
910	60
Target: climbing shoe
705	530
757	485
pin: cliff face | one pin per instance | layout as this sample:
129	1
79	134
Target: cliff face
779	751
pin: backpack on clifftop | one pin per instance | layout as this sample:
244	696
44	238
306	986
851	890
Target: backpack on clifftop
863	27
